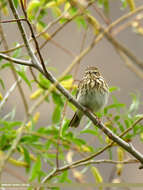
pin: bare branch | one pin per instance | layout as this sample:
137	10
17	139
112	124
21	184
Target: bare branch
12	20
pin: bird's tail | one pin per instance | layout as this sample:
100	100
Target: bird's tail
75	121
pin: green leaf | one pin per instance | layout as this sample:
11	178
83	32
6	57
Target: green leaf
64	177
116	106
110	154
33	8
69	136
81	21
135	103
127	123
24	77
2	83
41	14
124	4
78	141
17	52
66	77
55	188
97	176
73	11
57	98
121	127
100	3
3	141
113	88
35	169
43	81
56	114
106	6
90	132
27	157
3	66
64	128
15	3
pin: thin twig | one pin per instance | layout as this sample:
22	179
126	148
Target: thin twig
71	166
34	38
23	34
13	70
35	79
122	48
134	68
52	23
129	64
8	93
15	60
121	19
105	19
60	130
12	20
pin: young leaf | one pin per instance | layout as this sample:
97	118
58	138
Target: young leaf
24	77
15	3
135	103
2	83
97	176
35	169
57	99
113	88
65	127
43	81
27	157
32	9
90	131
56	114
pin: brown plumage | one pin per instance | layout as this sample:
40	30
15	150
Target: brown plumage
92	93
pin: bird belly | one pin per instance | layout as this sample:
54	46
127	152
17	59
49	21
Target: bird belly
93	99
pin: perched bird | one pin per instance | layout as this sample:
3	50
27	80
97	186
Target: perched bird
92	93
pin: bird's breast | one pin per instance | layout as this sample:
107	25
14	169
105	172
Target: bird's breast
92	96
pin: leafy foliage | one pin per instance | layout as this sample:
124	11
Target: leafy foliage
39	143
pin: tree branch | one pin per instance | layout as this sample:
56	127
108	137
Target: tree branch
15	60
